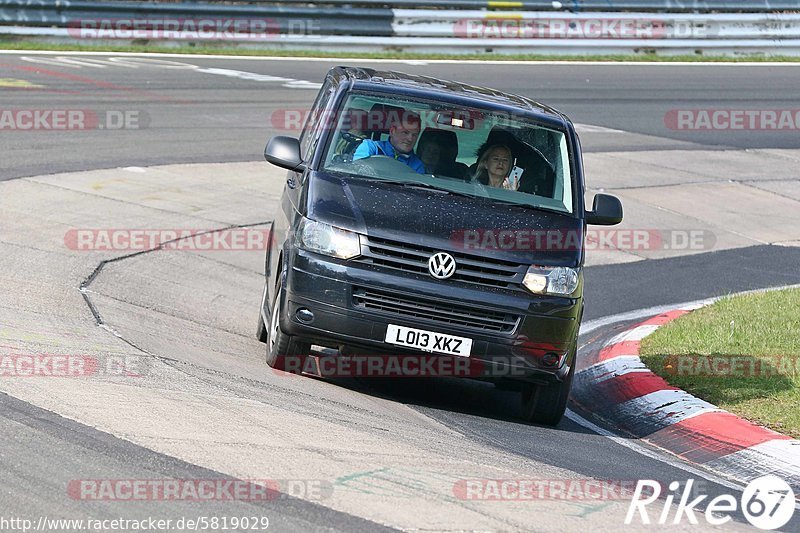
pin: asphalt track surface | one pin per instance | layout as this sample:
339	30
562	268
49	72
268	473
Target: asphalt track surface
192	116
196	116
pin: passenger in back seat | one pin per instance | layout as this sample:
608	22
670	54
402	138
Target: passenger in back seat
438	149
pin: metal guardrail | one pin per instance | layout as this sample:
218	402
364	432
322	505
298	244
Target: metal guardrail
374	27
323	20
577	6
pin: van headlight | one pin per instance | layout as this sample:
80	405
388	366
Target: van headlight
562	281
326	239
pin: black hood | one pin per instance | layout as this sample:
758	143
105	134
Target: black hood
445	221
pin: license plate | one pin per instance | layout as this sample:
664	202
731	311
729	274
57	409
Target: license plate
428	341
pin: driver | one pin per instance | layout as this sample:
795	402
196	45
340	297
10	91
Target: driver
403	135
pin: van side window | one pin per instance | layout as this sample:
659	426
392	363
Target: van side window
309	135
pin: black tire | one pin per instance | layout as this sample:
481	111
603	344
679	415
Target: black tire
545	404
280	345
261	330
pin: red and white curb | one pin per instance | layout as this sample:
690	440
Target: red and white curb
619	389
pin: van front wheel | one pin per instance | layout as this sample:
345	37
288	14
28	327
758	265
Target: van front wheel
261	329
545	404
284	352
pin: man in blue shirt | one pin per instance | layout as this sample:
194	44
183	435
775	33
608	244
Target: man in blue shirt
403	135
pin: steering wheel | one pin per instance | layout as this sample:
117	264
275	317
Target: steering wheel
381	158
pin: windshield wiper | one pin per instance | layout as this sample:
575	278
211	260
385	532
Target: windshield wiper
425	185
527	206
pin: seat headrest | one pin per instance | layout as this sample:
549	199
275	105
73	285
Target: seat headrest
448	140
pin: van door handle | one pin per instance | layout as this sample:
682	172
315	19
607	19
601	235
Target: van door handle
291	183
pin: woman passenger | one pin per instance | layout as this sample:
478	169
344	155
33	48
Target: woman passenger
494	166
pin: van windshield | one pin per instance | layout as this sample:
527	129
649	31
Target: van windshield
467	150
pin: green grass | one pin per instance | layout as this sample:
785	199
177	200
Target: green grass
26	44
762	328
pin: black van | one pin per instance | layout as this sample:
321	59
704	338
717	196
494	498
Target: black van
466	250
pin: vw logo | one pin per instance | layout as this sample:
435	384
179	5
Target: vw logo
442	265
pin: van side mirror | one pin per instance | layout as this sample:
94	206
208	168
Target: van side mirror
284	152
606	210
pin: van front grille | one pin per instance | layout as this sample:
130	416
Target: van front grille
470	268
434	311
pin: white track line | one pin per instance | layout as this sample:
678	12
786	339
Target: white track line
657	456
647	312
414	61
653	454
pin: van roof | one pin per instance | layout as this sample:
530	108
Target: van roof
401	81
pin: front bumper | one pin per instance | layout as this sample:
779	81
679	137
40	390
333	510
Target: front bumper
326	287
